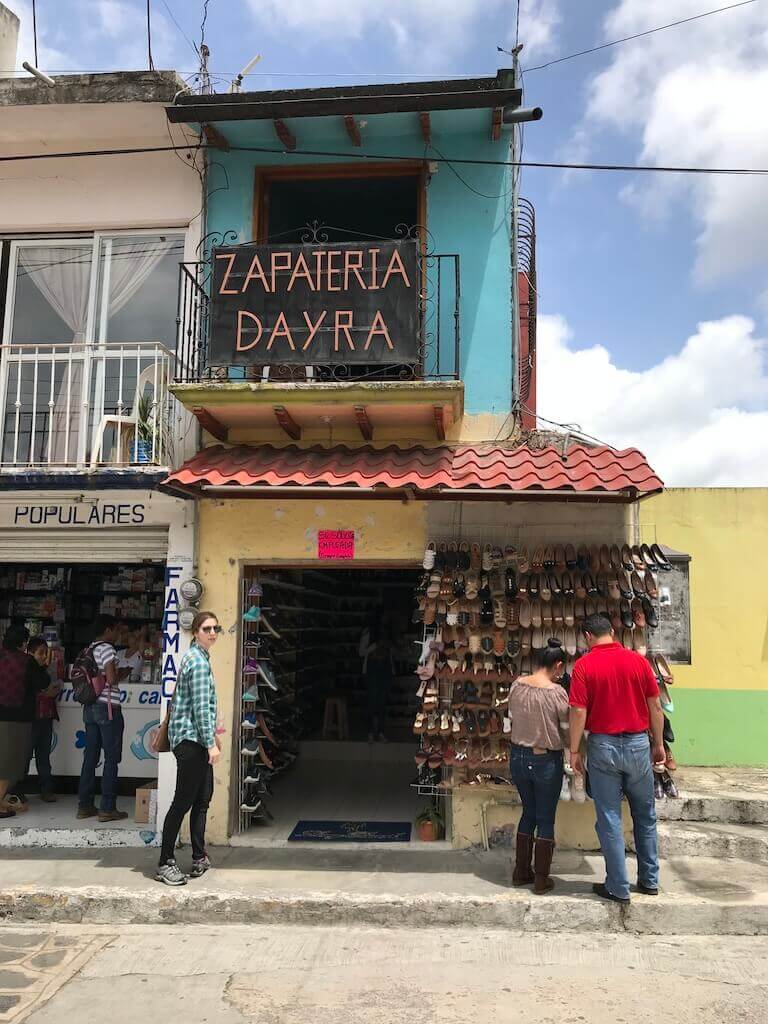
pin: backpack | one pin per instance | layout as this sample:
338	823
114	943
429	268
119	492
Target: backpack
88	682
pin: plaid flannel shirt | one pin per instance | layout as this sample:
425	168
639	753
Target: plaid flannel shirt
193	716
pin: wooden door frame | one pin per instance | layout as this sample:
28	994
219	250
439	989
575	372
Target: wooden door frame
263	176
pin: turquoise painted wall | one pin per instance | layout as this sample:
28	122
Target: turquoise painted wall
476	226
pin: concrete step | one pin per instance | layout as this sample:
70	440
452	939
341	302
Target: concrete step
713	839
699	896
739	810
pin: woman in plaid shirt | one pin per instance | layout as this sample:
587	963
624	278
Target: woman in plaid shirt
192	738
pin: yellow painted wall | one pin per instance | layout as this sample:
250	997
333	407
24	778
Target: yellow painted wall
725	531
235	533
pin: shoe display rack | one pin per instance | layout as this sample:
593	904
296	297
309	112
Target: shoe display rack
267	716
487	610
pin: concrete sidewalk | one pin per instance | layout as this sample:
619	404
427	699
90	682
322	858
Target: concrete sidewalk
385	888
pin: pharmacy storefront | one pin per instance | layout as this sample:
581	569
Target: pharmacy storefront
65	557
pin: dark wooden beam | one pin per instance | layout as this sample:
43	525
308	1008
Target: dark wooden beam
353	130
426	127
215	138
439	411
496	116
285	134
365	425
288	423
208	422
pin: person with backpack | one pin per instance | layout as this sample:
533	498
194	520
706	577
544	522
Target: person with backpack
19	686
95	681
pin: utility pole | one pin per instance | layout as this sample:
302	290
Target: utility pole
205	79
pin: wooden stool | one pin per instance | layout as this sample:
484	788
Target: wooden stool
335	718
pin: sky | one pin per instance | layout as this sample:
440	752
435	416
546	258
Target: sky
653	288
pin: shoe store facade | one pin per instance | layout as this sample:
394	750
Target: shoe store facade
367	335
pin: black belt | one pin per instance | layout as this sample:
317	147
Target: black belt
642	732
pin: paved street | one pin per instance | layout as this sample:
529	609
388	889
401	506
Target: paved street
287	975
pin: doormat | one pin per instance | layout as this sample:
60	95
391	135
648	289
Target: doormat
351	832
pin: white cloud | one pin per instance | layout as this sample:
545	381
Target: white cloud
111	35
697	95
429	30
700	415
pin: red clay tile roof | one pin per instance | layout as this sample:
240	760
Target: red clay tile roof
443	468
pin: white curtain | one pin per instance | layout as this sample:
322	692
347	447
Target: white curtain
133	260
62	274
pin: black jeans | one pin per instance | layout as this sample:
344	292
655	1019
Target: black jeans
194	789
42	741
539	778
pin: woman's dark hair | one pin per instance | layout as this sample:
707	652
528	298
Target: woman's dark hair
552	654
200	618
15	637
35	643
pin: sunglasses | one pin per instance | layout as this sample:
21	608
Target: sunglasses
211	629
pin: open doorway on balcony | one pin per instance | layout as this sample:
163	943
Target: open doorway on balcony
328	206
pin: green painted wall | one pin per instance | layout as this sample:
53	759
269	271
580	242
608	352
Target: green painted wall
720	727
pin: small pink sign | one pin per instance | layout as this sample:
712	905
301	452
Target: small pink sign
336	545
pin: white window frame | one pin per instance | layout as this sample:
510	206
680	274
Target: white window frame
94	334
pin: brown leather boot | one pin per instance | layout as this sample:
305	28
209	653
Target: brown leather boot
523	875
542	861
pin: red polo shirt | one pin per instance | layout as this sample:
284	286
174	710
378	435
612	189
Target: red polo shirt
613	684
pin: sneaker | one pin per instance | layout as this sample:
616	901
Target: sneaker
114	815
200	866
253	614
565	789
170	874
670	789
86	812
578	791
249	722
252	748
251	695
658	789
251	806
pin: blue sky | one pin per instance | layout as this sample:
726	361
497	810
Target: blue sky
629	266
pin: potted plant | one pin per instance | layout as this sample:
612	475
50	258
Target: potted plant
151	430
430	825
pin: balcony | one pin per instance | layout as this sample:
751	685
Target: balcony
270	359
77	406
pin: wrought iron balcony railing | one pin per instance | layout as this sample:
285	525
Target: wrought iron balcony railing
438	330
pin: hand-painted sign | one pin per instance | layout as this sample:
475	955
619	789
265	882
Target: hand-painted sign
85	514
306	304
336	545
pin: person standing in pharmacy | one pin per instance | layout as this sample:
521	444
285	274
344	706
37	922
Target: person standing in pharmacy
47	690
19	685
104	727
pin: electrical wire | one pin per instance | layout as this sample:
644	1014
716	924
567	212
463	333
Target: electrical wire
639	35
172	16
398	157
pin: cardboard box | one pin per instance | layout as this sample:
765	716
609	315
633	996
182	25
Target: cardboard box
143	802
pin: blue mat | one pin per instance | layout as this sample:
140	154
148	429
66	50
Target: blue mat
351	832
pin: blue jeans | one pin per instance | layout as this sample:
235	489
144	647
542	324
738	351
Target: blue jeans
622	764
538	778
101	733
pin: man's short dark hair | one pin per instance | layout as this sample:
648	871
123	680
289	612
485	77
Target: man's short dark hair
102	623
597	625
15	637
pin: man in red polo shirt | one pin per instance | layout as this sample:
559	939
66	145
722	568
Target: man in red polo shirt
615	696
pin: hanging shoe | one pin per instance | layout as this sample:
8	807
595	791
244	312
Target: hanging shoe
565	789
670	789
255	590
658	789
253	614
578	789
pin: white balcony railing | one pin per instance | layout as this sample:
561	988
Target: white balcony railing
74	405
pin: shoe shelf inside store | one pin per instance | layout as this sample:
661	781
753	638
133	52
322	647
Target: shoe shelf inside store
487	611
301	645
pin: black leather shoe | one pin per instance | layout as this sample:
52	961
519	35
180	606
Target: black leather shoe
599	890
646	890
650	613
